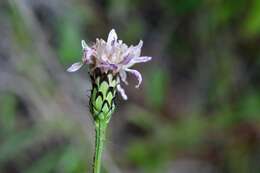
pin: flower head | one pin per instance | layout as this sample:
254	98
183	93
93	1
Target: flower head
112	56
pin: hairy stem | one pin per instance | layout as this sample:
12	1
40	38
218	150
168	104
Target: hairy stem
99	145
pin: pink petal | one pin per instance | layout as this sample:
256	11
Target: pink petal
74	67
87	55
112	37
126	59
107	66
137	74
132	56
136	60
123	76
122	92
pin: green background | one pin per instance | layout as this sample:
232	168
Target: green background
198	108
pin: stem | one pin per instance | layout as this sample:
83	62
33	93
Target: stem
99	145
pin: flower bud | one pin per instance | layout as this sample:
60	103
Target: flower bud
103	93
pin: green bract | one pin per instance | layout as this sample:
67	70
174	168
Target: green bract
102	99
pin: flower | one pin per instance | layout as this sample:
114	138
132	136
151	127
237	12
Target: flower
112	55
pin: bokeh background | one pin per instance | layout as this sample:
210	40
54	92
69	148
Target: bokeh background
198	108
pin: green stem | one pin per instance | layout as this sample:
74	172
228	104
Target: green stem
99	145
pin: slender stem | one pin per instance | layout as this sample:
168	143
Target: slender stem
99	145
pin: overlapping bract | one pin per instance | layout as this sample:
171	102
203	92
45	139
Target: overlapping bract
102	98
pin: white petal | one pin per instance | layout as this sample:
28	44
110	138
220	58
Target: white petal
141	59
120	42
122	91
74	67
137	48
137	74
123	76
140	44
112	37
84	45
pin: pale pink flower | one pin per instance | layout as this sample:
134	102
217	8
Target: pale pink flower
112	55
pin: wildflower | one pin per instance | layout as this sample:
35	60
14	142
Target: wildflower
109	62
112	56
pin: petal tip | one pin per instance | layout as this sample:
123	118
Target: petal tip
84	44
112	36
122	92
140	44
138	75
75	67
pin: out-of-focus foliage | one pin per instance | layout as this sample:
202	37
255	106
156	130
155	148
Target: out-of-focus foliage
198	109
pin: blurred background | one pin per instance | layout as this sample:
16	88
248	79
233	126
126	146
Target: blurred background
198	108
